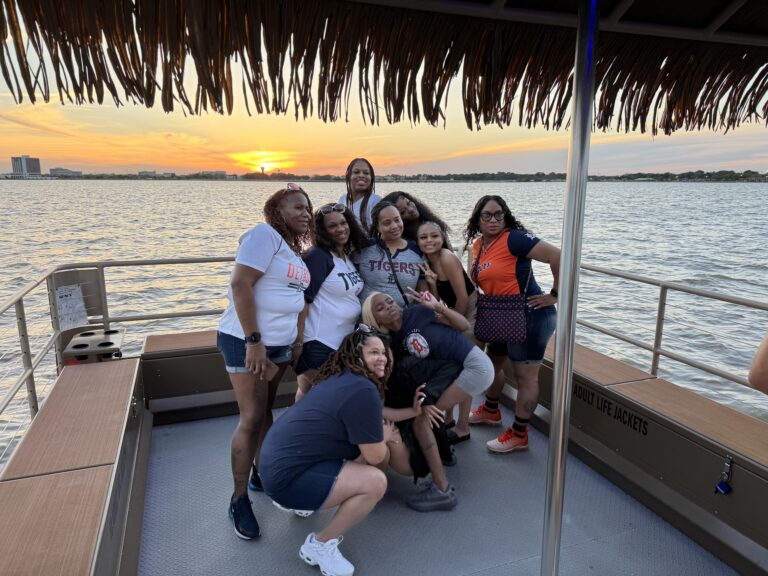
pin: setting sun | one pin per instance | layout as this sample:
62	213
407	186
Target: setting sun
263	160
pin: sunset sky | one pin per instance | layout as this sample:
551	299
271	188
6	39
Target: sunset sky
104	138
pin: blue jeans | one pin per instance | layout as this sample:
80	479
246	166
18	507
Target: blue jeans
233	350
539	326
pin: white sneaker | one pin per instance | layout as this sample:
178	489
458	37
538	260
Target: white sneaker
326	555
299	513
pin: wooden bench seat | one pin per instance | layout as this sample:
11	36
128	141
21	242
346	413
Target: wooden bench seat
737	431
50	523
597	367
81	422
179	344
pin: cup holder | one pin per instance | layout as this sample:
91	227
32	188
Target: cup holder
80	346
105	344
86	334
110	332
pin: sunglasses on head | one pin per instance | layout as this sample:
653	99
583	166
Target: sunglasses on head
363	328
294	187
328	208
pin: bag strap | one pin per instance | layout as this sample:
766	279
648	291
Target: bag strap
394	274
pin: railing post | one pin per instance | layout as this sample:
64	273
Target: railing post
103	293
26	356
54	308
659	329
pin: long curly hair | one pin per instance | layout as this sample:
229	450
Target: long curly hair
473	224
357	236
425	215
275	219
368	193
349	356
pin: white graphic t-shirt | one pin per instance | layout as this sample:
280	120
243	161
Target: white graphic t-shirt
372	201
279	293
332	296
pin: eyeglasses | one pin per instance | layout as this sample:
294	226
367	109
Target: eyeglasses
328	208
294	187
487	216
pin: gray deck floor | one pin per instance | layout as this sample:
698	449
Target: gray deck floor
495	530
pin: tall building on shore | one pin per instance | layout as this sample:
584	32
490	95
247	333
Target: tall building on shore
24	166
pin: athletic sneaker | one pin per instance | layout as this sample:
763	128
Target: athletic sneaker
299	513
254	482
241	514
431	498
481	415
508	441
326	555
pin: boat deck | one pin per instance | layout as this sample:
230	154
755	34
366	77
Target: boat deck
496	528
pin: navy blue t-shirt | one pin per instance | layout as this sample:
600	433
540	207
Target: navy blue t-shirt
423	336
329	423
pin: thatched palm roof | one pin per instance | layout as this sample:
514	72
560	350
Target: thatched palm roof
661	64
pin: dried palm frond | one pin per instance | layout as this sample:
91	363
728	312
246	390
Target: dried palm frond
404	60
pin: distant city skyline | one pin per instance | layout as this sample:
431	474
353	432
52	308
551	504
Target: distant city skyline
105	139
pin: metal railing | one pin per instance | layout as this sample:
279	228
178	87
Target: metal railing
30	361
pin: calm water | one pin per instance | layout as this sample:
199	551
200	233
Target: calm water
711	236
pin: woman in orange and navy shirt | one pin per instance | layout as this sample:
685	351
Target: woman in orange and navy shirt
503	254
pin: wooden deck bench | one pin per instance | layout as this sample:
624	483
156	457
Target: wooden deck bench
185	373
68	489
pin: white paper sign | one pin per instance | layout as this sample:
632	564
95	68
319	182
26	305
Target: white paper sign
71	305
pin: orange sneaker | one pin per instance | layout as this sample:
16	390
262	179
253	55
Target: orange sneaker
481	415
509	441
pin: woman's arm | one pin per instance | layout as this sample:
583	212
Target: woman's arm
444	314
548	254
242	282
758	374
299	343
455	273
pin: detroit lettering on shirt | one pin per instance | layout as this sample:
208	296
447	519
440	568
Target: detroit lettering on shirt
332	296
506	253
379	274
423	336
279	293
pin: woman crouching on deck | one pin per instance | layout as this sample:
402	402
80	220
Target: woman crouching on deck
431	330
323	452
257	331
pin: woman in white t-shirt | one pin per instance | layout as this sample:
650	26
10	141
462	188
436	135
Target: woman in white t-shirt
257	332
332	306
361	194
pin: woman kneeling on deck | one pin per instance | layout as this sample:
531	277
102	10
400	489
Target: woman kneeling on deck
430	329
323	452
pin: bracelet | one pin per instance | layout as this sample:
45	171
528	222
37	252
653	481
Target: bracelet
297	344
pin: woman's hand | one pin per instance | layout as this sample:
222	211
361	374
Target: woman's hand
391	433
256	359
434	415
296	349
418	398
429	275
541	301
426	299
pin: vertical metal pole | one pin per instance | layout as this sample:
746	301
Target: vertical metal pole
659	329
573	224
103	293
26	356
54	309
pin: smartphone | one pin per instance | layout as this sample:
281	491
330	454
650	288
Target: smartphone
271	370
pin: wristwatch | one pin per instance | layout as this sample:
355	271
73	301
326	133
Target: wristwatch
254	338
553	292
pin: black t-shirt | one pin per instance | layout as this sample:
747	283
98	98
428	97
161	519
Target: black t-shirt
329	423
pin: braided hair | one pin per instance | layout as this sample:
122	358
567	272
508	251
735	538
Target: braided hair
349	356
473	224
274	218
350	200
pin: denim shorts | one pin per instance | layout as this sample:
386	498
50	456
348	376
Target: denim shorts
313	355
233	350
540	325
309	490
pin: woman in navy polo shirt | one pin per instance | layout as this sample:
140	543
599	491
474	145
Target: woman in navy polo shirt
324	451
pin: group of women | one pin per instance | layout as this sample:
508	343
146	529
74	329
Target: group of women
378	394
